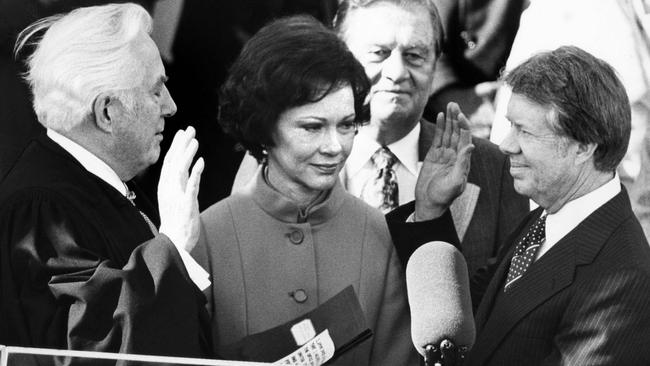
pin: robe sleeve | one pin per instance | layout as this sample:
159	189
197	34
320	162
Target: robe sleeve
63	285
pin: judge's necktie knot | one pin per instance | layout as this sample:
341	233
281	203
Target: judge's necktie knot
526	250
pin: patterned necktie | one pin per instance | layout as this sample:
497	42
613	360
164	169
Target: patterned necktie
381	190
130	195
525	251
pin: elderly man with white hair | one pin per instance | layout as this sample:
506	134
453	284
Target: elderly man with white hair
85	261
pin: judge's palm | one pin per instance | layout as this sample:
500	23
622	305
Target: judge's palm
178	190
444	171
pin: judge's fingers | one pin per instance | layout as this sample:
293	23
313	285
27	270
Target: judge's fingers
170	155
195	179
182	139
186	136
185	143
180	153
177	147
188	155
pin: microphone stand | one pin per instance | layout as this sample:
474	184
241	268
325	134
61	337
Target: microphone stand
446	354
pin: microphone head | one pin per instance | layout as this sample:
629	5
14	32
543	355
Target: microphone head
438	292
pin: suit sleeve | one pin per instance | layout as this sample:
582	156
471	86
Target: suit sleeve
408	236
606	323
65	293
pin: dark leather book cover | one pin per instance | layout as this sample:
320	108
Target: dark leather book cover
341	315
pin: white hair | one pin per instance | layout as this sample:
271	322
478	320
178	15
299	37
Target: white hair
82	54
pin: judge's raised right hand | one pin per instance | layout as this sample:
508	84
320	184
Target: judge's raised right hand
178	190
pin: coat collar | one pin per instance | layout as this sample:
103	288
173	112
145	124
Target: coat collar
284	209
545	277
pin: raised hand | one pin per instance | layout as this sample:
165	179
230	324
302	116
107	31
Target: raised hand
444	171
178	191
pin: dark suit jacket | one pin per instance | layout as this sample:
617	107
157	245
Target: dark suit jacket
80	268
584	302
489	216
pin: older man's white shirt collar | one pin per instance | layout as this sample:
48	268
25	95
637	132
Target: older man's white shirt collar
96	166
89	161
405	149
559	224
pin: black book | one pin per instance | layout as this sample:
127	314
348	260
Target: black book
341	315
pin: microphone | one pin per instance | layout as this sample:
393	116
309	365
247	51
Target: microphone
442	322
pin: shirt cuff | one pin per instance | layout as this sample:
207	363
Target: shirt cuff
198	275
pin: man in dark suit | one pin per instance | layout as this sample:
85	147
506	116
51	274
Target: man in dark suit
83	265
573	287
398	45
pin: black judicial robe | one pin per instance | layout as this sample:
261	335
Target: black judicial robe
80	268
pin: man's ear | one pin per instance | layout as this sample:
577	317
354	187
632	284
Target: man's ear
585	151
107	109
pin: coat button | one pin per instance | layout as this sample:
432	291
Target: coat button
299	295
296	237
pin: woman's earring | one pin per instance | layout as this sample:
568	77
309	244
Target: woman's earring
265	154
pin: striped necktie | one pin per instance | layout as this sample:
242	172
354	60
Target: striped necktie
526	250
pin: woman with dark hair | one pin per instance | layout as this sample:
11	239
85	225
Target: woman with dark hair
293	238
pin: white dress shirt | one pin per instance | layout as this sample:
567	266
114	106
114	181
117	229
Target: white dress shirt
359	168
559	224
104	172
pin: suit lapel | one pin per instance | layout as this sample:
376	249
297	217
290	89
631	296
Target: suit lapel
462	209
544	278
498	277
547	276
